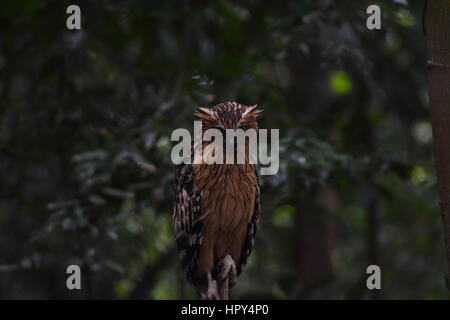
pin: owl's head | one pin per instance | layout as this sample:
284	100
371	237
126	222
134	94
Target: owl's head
229	115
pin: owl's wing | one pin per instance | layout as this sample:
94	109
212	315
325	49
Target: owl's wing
186	225
251	232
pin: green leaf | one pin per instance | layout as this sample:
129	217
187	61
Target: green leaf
418	175
122	288
163	290
283	216
114	266
340	82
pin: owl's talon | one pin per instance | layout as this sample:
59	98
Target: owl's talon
212	293
227	269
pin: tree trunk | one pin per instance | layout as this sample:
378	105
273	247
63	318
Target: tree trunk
438	40
316	239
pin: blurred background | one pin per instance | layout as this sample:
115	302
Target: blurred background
85	124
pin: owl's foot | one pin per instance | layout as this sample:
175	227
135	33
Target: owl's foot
227	269
212	293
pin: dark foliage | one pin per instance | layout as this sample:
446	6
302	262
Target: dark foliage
85	124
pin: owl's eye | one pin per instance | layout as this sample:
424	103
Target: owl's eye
243	128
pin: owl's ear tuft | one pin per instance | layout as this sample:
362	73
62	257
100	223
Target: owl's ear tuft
253	112
203	114
258	113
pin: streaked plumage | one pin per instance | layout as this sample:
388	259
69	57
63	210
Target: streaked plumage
216	207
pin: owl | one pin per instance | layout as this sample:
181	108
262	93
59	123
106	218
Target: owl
216	208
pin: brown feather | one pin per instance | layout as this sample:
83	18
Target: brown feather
217	206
